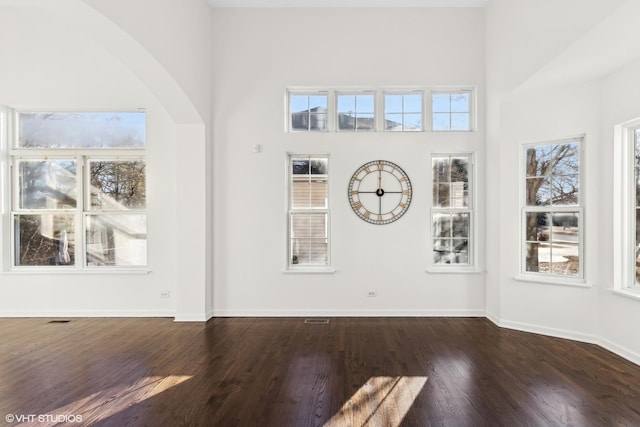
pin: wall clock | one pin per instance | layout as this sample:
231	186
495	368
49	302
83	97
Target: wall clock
380	192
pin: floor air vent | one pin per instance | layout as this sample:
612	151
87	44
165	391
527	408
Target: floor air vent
317	321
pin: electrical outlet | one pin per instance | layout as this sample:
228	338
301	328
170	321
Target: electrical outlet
165	294
372	294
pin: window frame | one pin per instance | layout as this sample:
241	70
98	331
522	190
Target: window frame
403	93
625	204
472	265
308	93
452	91
82	156
290	267
579	207
339	93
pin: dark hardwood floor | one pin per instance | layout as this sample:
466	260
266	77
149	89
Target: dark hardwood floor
283	372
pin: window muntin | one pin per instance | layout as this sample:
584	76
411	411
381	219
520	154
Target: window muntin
308	211
403	111
73	205
552	209
452	213
451	111
356	112
308	112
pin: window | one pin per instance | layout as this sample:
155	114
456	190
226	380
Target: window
308	111
627	207
78	190
552	213
308	215
403	111
451	111
356	112
452	211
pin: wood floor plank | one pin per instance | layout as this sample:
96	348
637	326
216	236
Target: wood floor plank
283	372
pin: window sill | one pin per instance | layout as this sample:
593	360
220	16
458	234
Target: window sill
74	271
627	293
310	270
554	280
454	270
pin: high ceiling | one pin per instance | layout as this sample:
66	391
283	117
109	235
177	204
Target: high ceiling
347	3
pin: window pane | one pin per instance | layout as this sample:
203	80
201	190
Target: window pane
412	103
441	169
442	251
535	259
346	103
47	184
412	122
300	121
298	103
117	185
393	122
564	259
309	194
440	103
637	248
459	169
441	225
82	130
441	121
538	191
565	227
116	240
460	103
365	121
365	103
393	104
318	122
460	225
44	239
460	121
537	226
309	244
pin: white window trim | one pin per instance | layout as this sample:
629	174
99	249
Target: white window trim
297	268
623	210
472	266
11	152
548	278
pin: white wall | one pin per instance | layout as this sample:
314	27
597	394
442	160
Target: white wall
257	54
69	57
569	79
618	315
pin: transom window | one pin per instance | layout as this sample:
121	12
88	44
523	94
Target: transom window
451	111
308	111
552	209
356	112
308	216
78	190
403	111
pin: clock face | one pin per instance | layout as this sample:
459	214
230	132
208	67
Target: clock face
380	192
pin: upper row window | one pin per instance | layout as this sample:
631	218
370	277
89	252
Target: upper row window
449	111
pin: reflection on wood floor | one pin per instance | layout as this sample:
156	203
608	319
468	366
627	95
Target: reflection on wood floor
283	372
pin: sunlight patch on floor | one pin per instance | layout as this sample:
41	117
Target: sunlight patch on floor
105	403
380	401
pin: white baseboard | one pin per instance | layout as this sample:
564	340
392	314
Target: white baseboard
566	334
347	313
89	313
